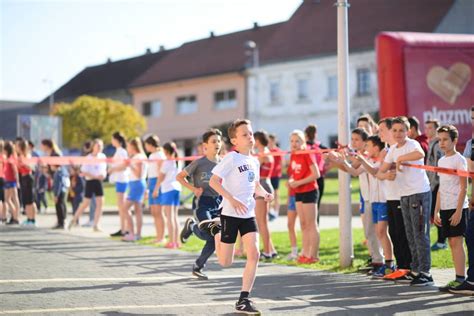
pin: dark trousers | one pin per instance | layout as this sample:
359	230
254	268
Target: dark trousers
41	200
321	192
434	193
470	245
396	230
76	202
206	208
61	208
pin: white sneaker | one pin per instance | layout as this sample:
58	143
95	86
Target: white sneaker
292	257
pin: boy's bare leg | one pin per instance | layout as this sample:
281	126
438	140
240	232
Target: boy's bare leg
224	252
250	241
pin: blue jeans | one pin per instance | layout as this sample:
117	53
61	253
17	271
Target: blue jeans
416	211
470	245
92	207
206	208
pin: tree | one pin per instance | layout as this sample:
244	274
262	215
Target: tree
89	117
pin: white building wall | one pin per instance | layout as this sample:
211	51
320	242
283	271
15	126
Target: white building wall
289	112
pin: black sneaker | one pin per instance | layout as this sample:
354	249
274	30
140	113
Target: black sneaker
406	279
197	272
465	288
212	226
58	227
117	234
12	222
187	230
422	280
450	285
246	306
265	257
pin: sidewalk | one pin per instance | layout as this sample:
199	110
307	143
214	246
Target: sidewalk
80	273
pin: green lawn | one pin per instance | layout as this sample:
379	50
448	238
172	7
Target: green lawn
329	250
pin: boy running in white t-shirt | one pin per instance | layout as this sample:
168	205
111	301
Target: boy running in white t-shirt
236	179
451	202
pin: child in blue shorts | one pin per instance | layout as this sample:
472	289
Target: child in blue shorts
207	200
136	192
169	189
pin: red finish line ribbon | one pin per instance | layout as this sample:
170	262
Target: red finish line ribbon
453	172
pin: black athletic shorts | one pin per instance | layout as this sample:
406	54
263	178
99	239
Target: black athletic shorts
275	182
2	191
94	187
307	197
453	231
231	226
26	189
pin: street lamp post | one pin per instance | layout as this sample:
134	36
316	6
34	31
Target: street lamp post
251	49
51	94
346	252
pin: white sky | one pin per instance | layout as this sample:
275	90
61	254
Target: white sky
43	44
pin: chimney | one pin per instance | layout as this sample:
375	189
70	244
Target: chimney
109	60
212	35
148	51
255	25
162	48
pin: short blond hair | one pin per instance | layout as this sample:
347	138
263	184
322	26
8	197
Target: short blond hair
299	133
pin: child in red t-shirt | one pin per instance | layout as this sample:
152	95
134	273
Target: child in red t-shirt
302	178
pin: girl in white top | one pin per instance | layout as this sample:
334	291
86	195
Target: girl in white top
152	145
169	193
94	173
137	187
119	174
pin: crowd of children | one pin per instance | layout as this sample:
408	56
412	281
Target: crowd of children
234	194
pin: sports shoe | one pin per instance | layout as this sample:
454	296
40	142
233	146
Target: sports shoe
406	279
212	226
12	222
96	229
302	260
117	234
128	238
383	271
312	260
272	215
447	287
58	227
439	246
28	223
306	260
171	245
397	274
292	257
187	230
71	225
197	272
265	257
422	279
375	268
246	306
465	288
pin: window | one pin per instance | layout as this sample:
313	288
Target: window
363	82
274	92
332	87
152	108
303	91
225	100
186	104
146	108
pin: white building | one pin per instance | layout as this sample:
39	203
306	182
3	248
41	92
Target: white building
296	82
